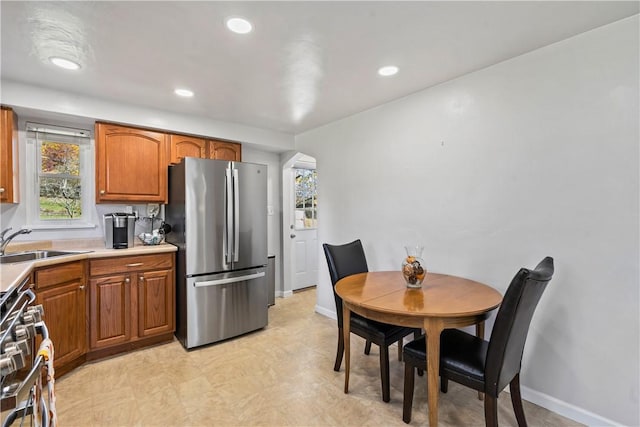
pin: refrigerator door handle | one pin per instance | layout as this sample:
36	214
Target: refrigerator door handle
228	243
228	280
236	216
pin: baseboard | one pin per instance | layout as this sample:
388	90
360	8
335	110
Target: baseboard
558	406
129	346
325	312
565	409
285	294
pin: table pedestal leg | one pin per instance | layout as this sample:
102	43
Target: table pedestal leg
480	330
346	328
433	327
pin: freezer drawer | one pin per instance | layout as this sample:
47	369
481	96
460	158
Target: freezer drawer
224	305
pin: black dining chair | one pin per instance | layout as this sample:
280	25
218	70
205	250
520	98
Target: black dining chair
346	260
486	366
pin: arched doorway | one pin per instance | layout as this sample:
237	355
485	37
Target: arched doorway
300	237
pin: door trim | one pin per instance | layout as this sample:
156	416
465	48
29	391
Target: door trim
297	159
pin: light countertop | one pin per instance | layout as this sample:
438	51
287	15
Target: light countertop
12	274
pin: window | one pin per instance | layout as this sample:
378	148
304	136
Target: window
62	189
306	214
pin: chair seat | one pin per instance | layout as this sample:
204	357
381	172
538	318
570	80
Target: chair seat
462	356
376	331
473	362
346	260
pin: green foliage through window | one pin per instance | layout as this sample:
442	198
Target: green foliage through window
306	214
59	181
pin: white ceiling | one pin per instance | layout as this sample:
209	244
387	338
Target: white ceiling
304	65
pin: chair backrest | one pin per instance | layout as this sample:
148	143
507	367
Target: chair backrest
511	327
344	260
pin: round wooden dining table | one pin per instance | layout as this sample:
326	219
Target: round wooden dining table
442	302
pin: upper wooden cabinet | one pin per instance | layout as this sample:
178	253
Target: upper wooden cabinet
9	192
223	150
131	164
187	146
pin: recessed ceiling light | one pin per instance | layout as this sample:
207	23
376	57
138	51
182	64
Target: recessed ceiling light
389	70
183	92
64	63
239	25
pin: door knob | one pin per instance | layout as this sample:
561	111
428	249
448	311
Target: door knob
293	236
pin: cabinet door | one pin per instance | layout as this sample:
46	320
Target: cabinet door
156	307
187	146
65	316
8	157
225	151
131	164
110	310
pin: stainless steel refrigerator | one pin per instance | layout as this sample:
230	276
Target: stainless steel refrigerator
218	214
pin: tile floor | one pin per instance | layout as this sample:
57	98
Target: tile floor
279	376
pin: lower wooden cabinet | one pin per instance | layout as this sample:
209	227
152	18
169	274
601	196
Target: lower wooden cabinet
129	302
156	302
110	310
61	289
131	299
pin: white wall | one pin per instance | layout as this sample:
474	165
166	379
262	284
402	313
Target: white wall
274	188
77	107
535	156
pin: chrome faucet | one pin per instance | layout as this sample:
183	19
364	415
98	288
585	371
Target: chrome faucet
5	241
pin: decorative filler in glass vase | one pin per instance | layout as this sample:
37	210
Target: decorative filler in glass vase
153	238
413	269
152	235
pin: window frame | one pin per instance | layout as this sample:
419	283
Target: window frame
38	133
314	200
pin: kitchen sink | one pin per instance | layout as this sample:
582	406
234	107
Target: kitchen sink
35	255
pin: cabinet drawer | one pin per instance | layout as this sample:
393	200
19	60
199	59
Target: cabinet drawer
126	264
58	274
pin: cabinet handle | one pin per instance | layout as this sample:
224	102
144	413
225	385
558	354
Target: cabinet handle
135	264
1	189
127	280
102	191
141	278
82	287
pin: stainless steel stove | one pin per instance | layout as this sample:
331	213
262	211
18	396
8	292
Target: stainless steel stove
26	371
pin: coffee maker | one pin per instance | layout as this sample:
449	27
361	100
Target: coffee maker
119	230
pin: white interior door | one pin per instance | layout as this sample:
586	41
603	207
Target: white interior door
304	234
300	228
305	252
